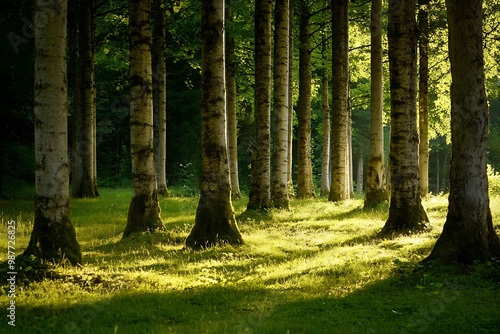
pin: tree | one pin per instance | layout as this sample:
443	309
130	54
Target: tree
160	95
291	25
423	82
468	232
87	183
279	175
406	211
53	236
375	189
260	193
340	92
144	209
305	187
325	109
232	119
215	221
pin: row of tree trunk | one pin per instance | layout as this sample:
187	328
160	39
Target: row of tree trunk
468	233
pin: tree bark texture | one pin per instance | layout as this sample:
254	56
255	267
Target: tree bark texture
144	209
423	83
215	221
260	191
406	212
375	188
468	234
279	174
87	183
291	27
340	92
305	186
325	108
53	236
160	95
231	109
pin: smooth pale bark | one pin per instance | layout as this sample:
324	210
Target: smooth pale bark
87	184
260	191
406	212
339	190
305	187
291	190
468	234
423	82
325	109
375	187
279	174
232	118
160	96
215	223
359	176
53	237
144	209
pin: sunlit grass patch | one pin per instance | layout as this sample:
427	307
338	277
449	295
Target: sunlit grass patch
317	268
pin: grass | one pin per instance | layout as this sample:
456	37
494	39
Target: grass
319	268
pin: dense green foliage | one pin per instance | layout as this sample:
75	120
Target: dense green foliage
320	268
183	84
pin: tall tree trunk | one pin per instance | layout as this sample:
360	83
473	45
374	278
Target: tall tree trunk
340	92
305	187
291	190
375	188
359	176
87	183
325	108
160	96
468	234
438	172
406	212
53	236
279	175
232	119
215	222
144	209
260	193
423	110
350	175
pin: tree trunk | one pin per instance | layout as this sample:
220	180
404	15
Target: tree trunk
279	176
325	108
468	234
87	183
375	188
160	96
232	119
340	90
144	209
291	190
215	222
438	171
260	193
53	236
406	212
359	176
423	109
305	187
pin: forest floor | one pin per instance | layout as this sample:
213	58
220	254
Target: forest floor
318	268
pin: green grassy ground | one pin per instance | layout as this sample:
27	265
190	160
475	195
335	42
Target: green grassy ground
319	268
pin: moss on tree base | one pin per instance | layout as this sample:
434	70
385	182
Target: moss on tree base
214	224
375	197
143	215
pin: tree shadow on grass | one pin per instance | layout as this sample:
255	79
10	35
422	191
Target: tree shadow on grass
420	302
